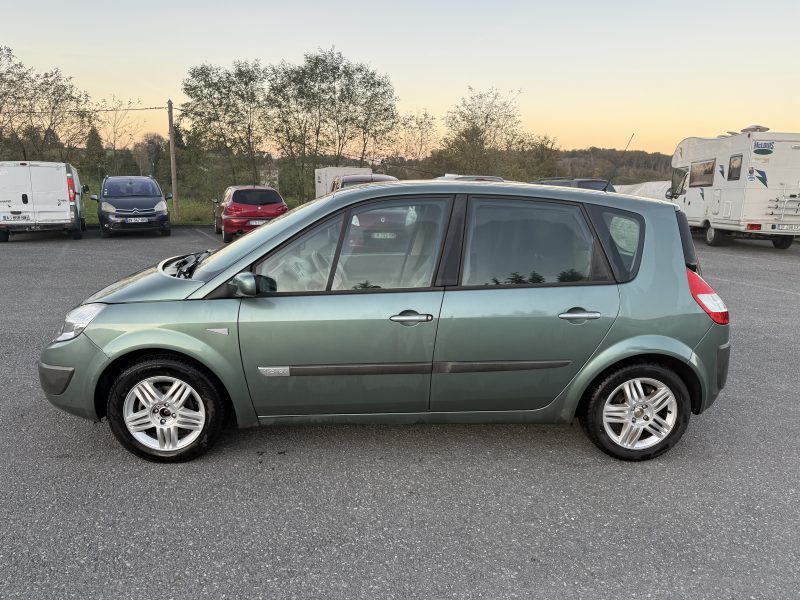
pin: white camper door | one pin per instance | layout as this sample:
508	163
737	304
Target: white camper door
16	201
50	194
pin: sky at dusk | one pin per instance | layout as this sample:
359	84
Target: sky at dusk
590	73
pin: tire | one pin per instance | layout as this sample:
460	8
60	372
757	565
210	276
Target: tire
714	237
77	234
217	228
227	237
104	233
166	232
782	242
4	235
158	436
83	224
613	425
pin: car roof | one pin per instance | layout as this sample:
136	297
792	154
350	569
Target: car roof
368	177
349	195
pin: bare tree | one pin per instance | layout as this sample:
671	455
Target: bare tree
118	126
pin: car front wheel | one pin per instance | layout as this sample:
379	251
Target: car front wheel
166	410
637	412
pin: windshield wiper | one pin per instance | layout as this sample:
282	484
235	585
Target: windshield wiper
187	266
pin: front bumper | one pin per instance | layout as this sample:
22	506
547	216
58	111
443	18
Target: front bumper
68	374
113	223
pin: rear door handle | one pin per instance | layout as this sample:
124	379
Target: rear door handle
411	317
24	198
580	315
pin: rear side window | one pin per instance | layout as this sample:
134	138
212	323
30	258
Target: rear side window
522	242
622	235
257	197
735	167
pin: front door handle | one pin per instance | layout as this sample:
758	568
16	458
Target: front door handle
411	317
24	198
580	315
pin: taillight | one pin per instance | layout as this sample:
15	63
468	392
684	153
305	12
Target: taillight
71	189
232	209
707	298
753	227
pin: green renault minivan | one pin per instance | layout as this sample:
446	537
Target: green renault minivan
433	301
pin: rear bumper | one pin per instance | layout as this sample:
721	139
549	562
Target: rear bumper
711	359
242	224
22	226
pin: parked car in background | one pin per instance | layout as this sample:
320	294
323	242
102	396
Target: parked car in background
132	203
345	181
582	183
505	304
40	196
245	207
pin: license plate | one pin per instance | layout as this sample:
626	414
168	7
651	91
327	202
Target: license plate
16	217
257	222
384	236
136	220
784	227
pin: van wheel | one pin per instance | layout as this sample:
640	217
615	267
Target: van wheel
714	237
83	224
227	237
165	410
4	235
637	412
77	234
782	242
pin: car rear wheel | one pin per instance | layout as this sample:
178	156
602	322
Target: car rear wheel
714	237
227	237
77	234
782	242
637	412
217	227
165	410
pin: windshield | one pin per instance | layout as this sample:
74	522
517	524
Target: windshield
257	197
227	255
128	188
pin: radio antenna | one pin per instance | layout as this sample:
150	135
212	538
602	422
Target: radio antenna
614	173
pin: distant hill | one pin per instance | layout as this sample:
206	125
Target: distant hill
633	166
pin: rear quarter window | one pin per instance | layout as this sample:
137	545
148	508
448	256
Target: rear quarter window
622	236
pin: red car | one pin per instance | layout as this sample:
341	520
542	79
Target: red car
245	207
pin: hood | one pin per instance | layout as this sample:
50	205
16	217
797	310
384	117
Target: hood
148	285
129	203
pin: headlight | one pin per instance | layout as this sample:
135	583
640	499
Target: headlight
107	208
77	320
161	206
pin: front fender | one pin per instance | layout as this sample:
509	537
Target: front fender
205	331
651	345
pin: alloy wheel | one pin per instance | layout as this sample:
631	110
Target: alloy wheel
639	413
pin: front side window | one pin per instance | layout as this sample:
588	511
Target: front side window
304	264
735	167
528	243
702	173
678	185
391	245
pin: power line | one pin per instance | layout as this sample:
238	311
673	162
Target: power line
93	110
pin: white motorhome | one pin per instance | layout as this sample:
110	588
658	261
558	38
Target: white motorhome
323	178
745	184
38	196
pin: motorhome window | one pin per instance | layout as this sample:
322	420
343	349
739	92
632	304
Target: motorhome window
702	173
735	167
679	181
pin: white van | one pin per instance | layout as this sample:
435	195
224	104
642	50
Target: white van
39	196
743	184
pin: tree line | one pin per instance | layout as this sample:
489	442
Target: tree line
275	123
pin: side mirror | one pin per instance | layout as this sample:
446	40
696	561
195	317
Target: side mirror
168	196
243	285
93	197
215	200
669	195
85	189
248	285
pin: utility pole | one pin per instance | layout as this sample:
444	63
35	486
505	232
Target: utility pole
172	161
